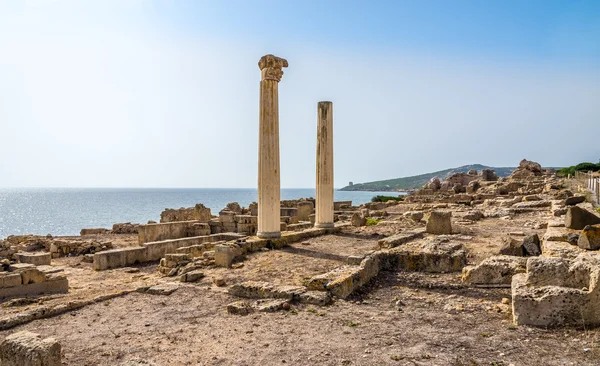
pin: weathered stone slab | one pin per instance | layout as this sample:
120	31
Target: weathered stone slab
532	204
265	290
555	234
29	349
560	249
37	259
399	239
163	289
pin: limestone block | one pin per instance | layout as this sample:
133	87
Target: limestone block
32	275
192	276
240	308
496	270
358	220
320	298
37	259
226	253
560	249
532	204
438	222
29	349
265	290
55	283
558	291
555	234
399	239
512	247
227	216
577	218
414	215
590	238
8	279
119	258
428	256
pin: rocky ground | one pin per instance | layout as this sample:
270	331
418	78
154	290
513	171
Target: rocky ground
398	318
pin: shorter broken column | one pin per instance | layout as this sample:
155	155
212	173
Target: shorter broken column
324	196
29	349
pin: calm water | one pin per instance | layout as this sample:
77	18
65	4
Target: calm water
66	211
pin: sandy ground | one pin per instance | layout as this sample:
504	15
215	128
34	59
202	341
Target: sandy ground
440	322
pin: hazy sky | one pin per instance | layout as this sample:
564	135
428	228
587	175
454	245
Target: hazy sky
123	93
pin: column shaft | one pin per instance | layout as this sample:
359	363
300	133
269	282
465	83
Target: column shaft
324	199
268	162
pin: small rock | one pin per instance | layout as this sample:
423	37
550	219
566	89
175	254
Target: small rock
219	281
505	300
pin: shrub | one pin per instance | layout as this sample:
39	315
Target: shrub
386	198
372	222
585	167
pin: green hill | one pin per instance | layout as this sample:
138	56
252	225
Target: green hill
417	181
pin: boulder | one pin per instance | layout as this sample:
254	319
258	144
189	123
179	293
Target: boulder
531	245
438	222
589	238
571	201
473	215
358	220
577	218
512	247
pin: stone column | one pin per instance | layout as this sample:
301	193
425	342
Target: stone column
324	199
268	147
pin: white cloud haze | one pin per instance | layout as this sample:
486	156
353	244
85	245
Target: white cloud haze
91	99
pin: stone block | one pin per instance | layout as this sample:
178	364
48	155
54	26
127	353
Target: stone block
438	222
29	349
399	239
192	276
239	308
428	256
589	238
32	275
265	290
226	253
577	218
8	279
119	258
55	283
414	215
496	270
37	259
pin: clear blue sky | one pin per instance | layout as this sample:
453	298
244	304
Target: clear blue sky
132	93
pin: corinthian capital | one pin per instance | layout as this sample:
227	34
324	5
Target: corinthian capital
271	67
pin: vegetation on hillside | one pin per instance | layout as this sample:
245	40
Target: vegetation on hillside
581	167
417	181
387	198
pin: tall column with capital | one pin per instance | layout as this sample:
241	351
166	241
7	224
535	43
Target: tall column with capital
268	147
324	199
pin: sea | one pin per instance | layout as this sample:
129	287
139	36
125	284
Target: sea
65	211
